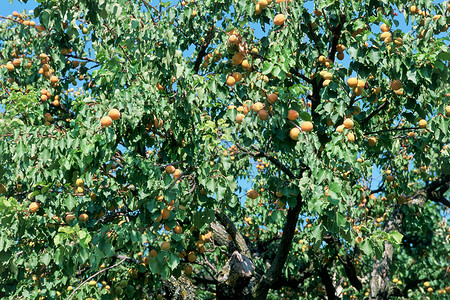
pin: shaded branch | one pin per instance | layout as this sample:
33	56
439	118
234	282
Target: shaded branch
273	274
201	54
328	282
374	113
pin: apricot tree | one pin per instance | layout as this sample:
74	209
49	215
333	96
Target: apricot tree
225	149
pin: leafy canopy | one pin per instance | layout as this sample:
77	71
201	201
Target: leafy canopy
145	147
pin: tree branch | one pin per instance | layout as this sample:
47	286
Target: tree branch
202	51
374	113
90	277
328	282
234	232
273	274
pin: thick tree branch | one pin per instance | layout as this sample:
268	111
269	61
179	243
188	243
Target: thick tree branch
276	162
350	271
201	54
434	191
328	282
234	232
273	274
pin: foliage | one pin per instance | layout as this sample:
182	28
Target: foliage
205	156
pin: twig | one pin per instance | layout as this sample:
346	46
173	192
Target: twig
392	129
90	277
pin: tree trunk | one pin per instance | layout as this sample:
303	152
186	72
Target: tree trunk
380	277
234	278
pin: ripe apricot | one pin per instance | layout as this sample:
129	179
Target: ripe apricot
245	64
398	41
53	79
106	121
348	123
33	207
293	133
237	76
396	84
165	246
79	182
177	173
238	58
423	123
357	91
272	98
384	28
326	82
340	128
233	39
447	110
351	137
170	169
258	9
385	35
252	194
307	126
263	3
263	114
292	115
17	62
83	217
9	67
70	217
352	82
239	118
114	114
279	19
327	76
257	106
340	48
178	229
165	213
231	81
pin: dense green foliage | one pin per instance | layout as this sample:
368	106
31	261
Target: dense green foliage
318	212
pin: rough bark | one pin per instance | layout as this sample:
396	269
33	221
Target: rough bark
235	277
222	238
236	236
180	288
380	277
